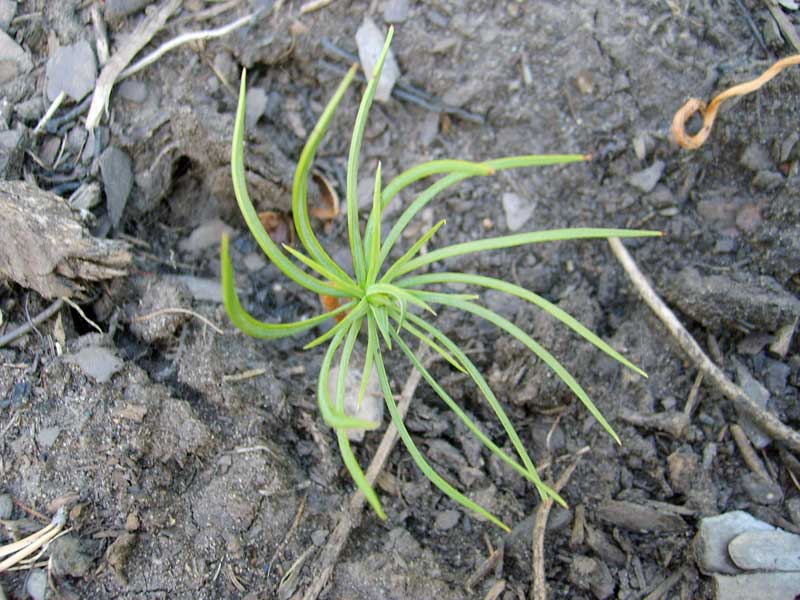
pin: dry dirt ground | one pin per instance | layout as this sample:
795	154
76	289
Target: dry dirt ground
182	482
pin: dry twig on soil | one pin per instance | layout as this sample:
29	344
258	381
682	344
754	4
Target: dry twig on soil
352	517
709	113
539	584
765	420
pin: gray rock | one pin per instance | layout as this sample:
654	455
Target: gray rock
446	519
591	574
766	551
68	557
517	210
756	158
760	490
116	169
646	179
14	60
319	536
208	290
793	508
750	586
11	152
116	10
206	235
256	106
395	11
776	376
47	436
370	41
371	408
132	90
6	506
8	8
714	535
36	584
760	395
72	69
97	362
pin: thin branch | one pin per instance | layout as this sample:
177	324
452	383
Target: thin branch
26	327
765	420
539	584
181	311
352	518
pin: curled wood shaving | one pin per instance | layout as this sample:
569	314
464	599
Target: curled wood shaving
709	113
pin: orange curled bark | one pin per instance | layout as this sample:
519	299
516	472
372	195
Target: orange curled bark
709	113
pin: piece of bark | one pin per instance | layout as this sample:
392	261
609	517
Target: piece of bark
48	249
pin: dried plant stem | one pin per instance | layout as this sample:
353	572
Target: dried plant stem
26	327
352	517
709	113
539	584
766	421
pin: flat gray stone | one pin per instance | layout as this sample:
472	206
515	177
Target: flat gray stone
395	11
116	10
209	290
760	490
6	506
638	517
36	584
446	519
206	235
116	170
47	436
517	210
753	586
256	101
369	40
8	8
646	179
133	90
760	395
714	535
72	69
766	551
14	60
97	362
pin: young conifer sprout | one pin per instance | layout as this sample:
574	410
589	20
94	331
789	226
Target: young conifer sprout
389	300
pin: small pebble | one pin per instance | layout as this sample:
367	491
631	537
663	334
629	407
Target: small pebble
370	42
590	574
319	537
97	362
761	491
756	158
6	506
756	585
133	90
69	557
446	519
256	100
517	210
14	60
646	179
36	584
205	236
395	11
47	436
116	169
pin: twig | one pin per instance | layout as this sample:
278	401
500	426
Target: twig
62	95
765	420
314	5
249	374
748	454
709	113
26	327
206	34
79	310
182	311
129	48
351	518
539	585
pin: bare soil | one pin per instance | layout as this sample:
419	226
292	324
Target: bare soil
202	477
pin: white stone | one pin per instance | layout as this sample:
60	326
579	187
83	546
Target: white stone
370	42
